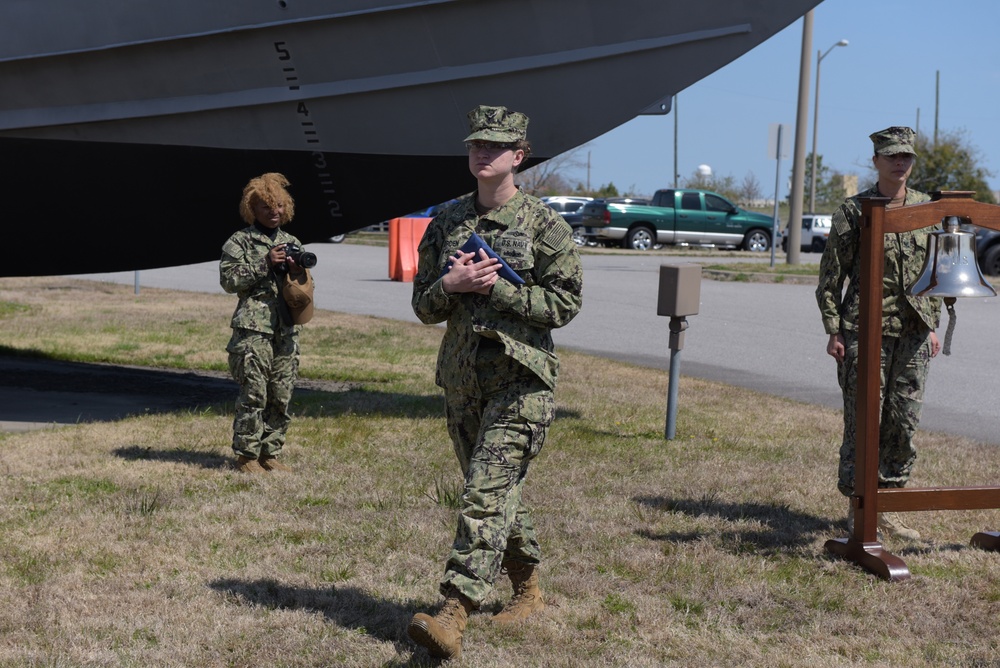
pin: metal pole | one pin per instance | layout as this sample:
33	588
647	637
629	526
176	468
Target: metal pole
677	326
777	180
676	175
937	103
136	281
812	175
675	374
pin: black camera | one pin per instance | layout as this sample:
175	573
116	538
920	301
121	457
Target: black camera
302	258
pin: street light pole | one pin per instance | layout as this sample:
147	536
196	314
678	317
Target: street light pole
812	177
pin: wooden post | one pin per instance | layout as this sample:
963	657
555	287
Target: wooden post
862	547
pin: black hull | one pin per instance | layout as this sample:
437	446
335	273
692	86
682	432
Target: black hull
129	127
135	206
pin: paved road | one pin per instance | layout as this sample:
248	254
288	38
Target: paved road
766	337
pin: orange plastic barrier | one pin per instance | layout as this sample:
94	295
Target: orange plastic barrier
404	237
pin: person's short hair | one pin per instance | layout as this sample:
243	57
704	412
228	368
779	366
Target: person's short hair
522	145
269	188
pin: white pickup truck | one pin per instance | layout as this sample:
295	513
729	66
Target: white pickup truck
815	232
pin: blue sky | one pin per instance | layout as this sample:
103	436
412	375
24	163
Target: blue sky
882	78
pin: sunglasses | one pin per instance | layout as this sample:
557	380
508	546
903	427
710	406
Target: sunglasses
489	146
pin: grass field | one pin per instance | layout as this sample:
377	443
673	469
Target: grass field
134	543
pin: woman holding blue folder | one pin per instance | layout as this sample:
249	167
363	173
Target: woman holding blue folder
500	267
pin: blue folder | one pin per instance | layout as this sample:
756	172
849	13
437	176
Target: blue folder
474	244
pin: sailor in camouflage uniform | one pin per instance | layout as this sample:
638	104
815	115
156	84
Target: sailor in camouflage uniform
497	366
908	323
264	348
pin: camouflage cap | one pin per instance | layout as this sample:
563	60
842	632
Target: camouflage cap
897	139
496	124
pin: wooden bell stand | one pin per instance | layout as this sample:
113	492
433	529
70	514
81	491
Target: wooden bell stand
862	547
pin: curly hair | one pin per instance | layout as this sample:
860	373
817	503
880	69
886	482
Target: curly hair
270	189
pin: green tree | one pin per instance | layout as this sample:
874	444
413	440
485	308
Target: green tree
830	191
953	164
608	190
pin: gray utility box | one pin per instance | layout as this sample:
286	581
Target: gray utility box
680	290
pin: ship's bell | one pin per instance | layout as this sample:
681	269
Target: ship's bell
950	268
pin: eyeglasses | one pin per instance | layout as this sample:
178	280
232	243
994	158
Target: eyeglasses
491	146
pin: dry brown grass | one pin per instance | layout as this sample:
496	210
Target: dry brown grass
133	543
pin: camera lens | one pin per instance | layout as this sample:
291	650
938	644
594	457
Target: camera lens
306	260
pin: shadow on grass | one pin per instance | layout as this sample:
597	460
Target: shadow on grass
207	460
567	414
347	607
785	527
921	548
364	402
307	403
109	392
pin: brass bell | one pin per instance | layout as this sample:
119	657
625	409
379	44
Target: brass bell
950	268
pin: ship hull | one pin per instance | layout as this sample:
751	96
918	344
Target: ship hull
135	124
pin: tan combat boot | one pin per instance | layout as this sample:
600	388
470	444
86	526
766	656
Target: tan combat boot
272	464
892	525
249	465
442	633
527	597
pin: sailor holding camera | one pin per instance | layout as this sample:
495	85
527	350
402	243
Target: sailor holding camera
268	270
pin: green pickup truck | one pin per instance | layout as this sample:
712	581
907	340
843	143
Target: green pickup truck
686	217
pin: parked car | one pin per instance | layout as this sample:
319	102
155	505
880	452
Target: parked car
815	233
569	207
988	251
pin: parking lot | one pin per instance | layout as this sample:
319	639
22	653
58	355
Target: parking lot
764	336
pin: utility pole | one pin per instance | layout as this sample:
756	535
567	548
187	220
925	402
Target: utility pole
937	102
676	175
794	226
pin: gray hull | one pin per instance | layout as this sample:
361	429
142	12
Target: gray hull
144	104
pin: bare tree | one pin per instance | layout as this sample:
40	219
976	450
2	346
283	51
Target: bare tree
552	177
723	185
749	191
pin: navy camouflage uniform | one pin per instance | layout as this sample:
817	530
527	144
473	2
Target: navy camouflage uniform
907	323
264	348
498	368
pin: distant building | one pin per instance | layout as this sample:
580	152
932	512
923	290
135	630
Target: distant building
850	183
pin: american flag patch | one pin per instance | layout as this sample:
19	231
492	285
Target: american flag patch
556	236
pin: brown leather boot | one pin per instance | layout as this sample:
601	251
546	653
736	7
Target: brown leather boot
442	633
270	463
527	597
249	465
